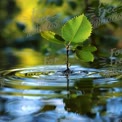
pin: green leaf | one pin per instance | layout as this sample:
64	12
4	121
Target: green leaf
85	55
77	29
85	52
90	48
87	48
51	36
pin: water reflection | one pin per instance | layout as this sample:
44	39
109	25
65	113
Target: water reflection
45	94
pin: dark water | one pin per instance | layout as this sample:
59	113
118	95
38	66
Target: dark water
45	94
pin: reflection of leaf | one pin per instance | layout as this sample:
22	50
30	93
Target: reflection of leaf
48	108
80	104
51	36
77	29
82	84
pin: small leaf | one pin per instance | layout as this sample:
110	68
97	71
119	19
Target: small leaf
51	36
77	29
85	55
85	52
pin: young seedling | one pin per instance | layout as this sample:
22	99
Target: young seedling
74	32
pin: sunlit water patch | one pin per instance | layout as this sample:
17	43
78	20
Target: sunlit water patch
49	96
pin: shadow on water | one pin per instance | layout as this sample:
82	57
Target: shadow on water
46	94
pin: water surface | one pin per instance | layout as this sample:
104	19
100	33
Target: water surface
45	94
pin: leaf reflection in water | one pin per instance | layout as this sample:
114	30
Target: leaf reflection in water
46	94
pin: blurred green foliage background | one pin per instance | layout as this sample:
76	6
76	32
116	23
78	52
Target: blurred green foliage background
21	22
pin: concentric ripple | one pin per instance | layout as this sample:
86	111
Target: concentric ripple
48	81
41	80
45	93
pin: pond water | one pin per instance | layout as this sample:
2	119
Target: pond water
45	94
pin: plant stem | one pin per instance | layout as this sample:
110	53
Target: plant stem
67	57
67	71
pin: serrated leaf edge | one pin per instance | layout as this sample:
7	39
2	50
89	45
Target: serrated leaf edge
71	20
